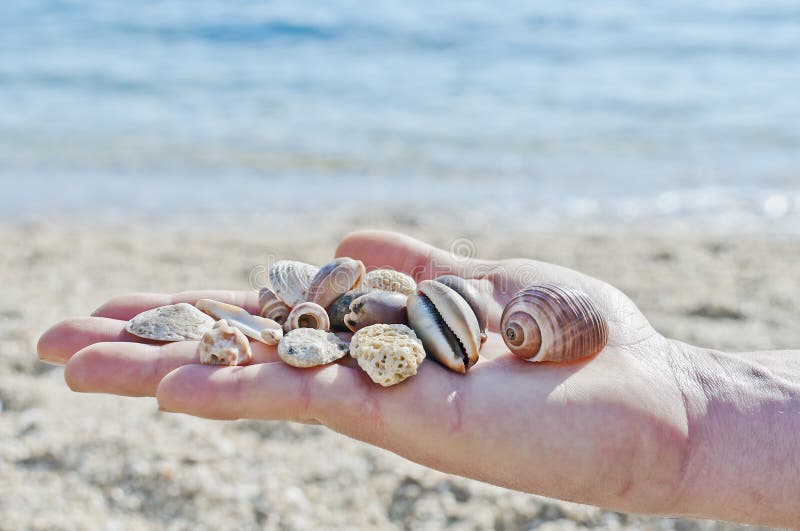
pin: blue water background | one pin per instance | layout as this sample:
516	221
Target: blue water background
574	110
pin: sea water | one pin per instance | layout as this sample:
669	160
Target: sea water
633	111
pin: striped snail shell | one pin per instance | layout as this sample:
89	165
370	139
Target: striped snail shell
271	306
549	322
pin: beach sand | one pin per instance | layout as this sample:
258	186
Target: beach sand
70	461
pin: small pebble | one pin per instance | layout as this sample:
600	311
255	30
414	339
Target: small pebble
309	347
224	345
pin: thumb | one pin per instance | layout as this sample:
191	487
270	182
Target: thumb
380	249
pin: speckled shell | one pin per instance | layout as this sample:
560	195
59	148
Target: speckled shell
309	347
389	280
341	307
175	322
549	322
473	297
308	315
290	280
334	279
251	325
224	345
374	307
446	325
271	306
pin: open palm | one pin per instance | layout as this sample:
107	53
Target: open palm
610	430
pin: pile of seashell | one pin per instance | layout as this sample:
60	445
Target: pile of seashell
395	321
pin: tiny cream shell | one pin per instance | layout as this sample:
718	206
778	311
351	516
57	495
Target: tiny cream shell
550	322
309	347
176	322
334	279
388	353
308	315
386	307
290	280
390	280
341	307
251	325
271	306
224	345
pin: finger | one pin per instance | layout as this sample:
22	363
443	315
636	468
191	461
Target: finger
126	306
391	250
66	338
134	369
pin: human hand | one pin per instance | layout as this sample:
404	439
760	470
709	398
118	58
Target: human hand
613	430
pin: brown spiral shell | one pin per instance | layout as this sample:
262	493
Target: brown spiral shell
271	306
550	322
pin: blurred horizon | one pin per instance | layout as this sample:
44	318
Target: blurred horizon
584	109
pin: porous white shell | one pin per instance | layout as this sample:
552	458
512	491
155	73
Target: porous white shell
550	322
309	347
224	345
335	279
385	307
290	280
388	353
446	325
176	322
271	306
251	325
308	315
389	280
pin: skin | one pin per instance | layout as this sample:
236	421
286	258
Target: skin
648	425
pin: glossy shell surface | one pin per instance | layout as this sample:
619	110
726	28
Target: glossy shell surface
446	325
550	322
335	279
252	326
385	307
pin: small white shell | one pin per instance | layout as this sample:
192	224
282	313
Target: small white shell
388	353
389	280
290	280
309	347
176	322
224	345
271	306
308	315
251	325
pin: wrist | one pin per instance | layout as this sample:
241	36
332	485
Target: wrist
743	449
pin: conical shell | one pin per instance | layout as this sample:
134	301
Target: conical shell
271	306
473	297
290	280
377	307
252	326
335	279
308	315
446	325
389	280
549	322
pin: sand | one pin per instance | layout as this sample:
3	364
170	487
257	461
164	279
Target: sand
72	461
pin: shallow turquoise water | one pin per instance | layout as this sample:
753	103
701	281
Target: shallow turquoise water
626	108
